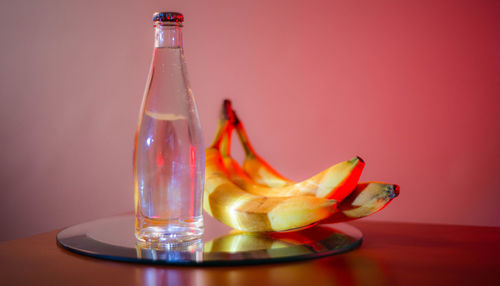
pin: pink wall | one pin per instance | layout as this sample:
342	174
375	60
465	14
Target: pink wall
411	86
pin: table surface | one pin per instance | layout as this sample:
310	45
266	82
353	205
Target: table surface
391	254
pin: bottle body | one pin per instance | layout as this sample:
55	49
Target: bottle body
169	152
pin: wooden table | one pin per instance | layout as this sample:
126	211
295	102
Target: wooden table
391	254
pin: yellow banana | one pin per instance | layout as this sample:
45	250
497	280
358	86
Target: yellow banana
259	178
368	198
241	210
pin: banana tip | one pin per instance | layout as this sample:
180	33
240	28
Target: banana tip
360	159
227	110
396	190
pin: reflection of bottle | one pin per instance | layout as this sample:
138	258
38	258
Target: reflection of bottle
169	153
184	252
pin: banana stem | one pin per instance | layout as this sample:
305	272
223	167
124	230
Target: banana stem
229	115
222	140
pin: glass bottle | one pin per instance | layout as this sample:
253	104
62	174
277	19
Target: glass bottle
169	153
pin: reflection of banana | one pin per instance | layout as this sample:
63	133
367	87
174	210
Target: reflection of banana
237	241
243	241
258	178
239	209
307	236
366	199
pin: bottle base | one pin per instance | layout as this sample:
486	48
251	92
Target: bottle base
170	233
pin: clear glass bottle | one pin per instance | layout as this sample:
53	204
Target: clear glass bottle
169	153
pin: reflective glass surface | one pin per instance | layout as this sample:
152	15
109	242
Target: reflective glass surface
113	238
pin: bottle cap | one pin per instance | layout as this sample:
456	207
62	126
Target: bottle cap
173	17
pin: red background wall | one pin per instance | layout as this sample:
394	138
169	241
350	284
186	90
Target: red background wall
411	86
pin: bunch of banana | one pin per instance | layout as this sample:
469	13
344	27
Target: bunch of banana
256	197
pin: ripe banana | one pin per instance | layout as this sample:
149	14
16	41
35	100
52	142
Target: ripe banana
368	198
244	211
259	178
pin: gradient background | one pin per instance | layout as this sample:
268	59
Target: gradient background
411	86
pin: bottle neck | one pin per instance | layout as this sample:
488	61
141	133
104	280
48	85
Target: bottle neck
168	36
